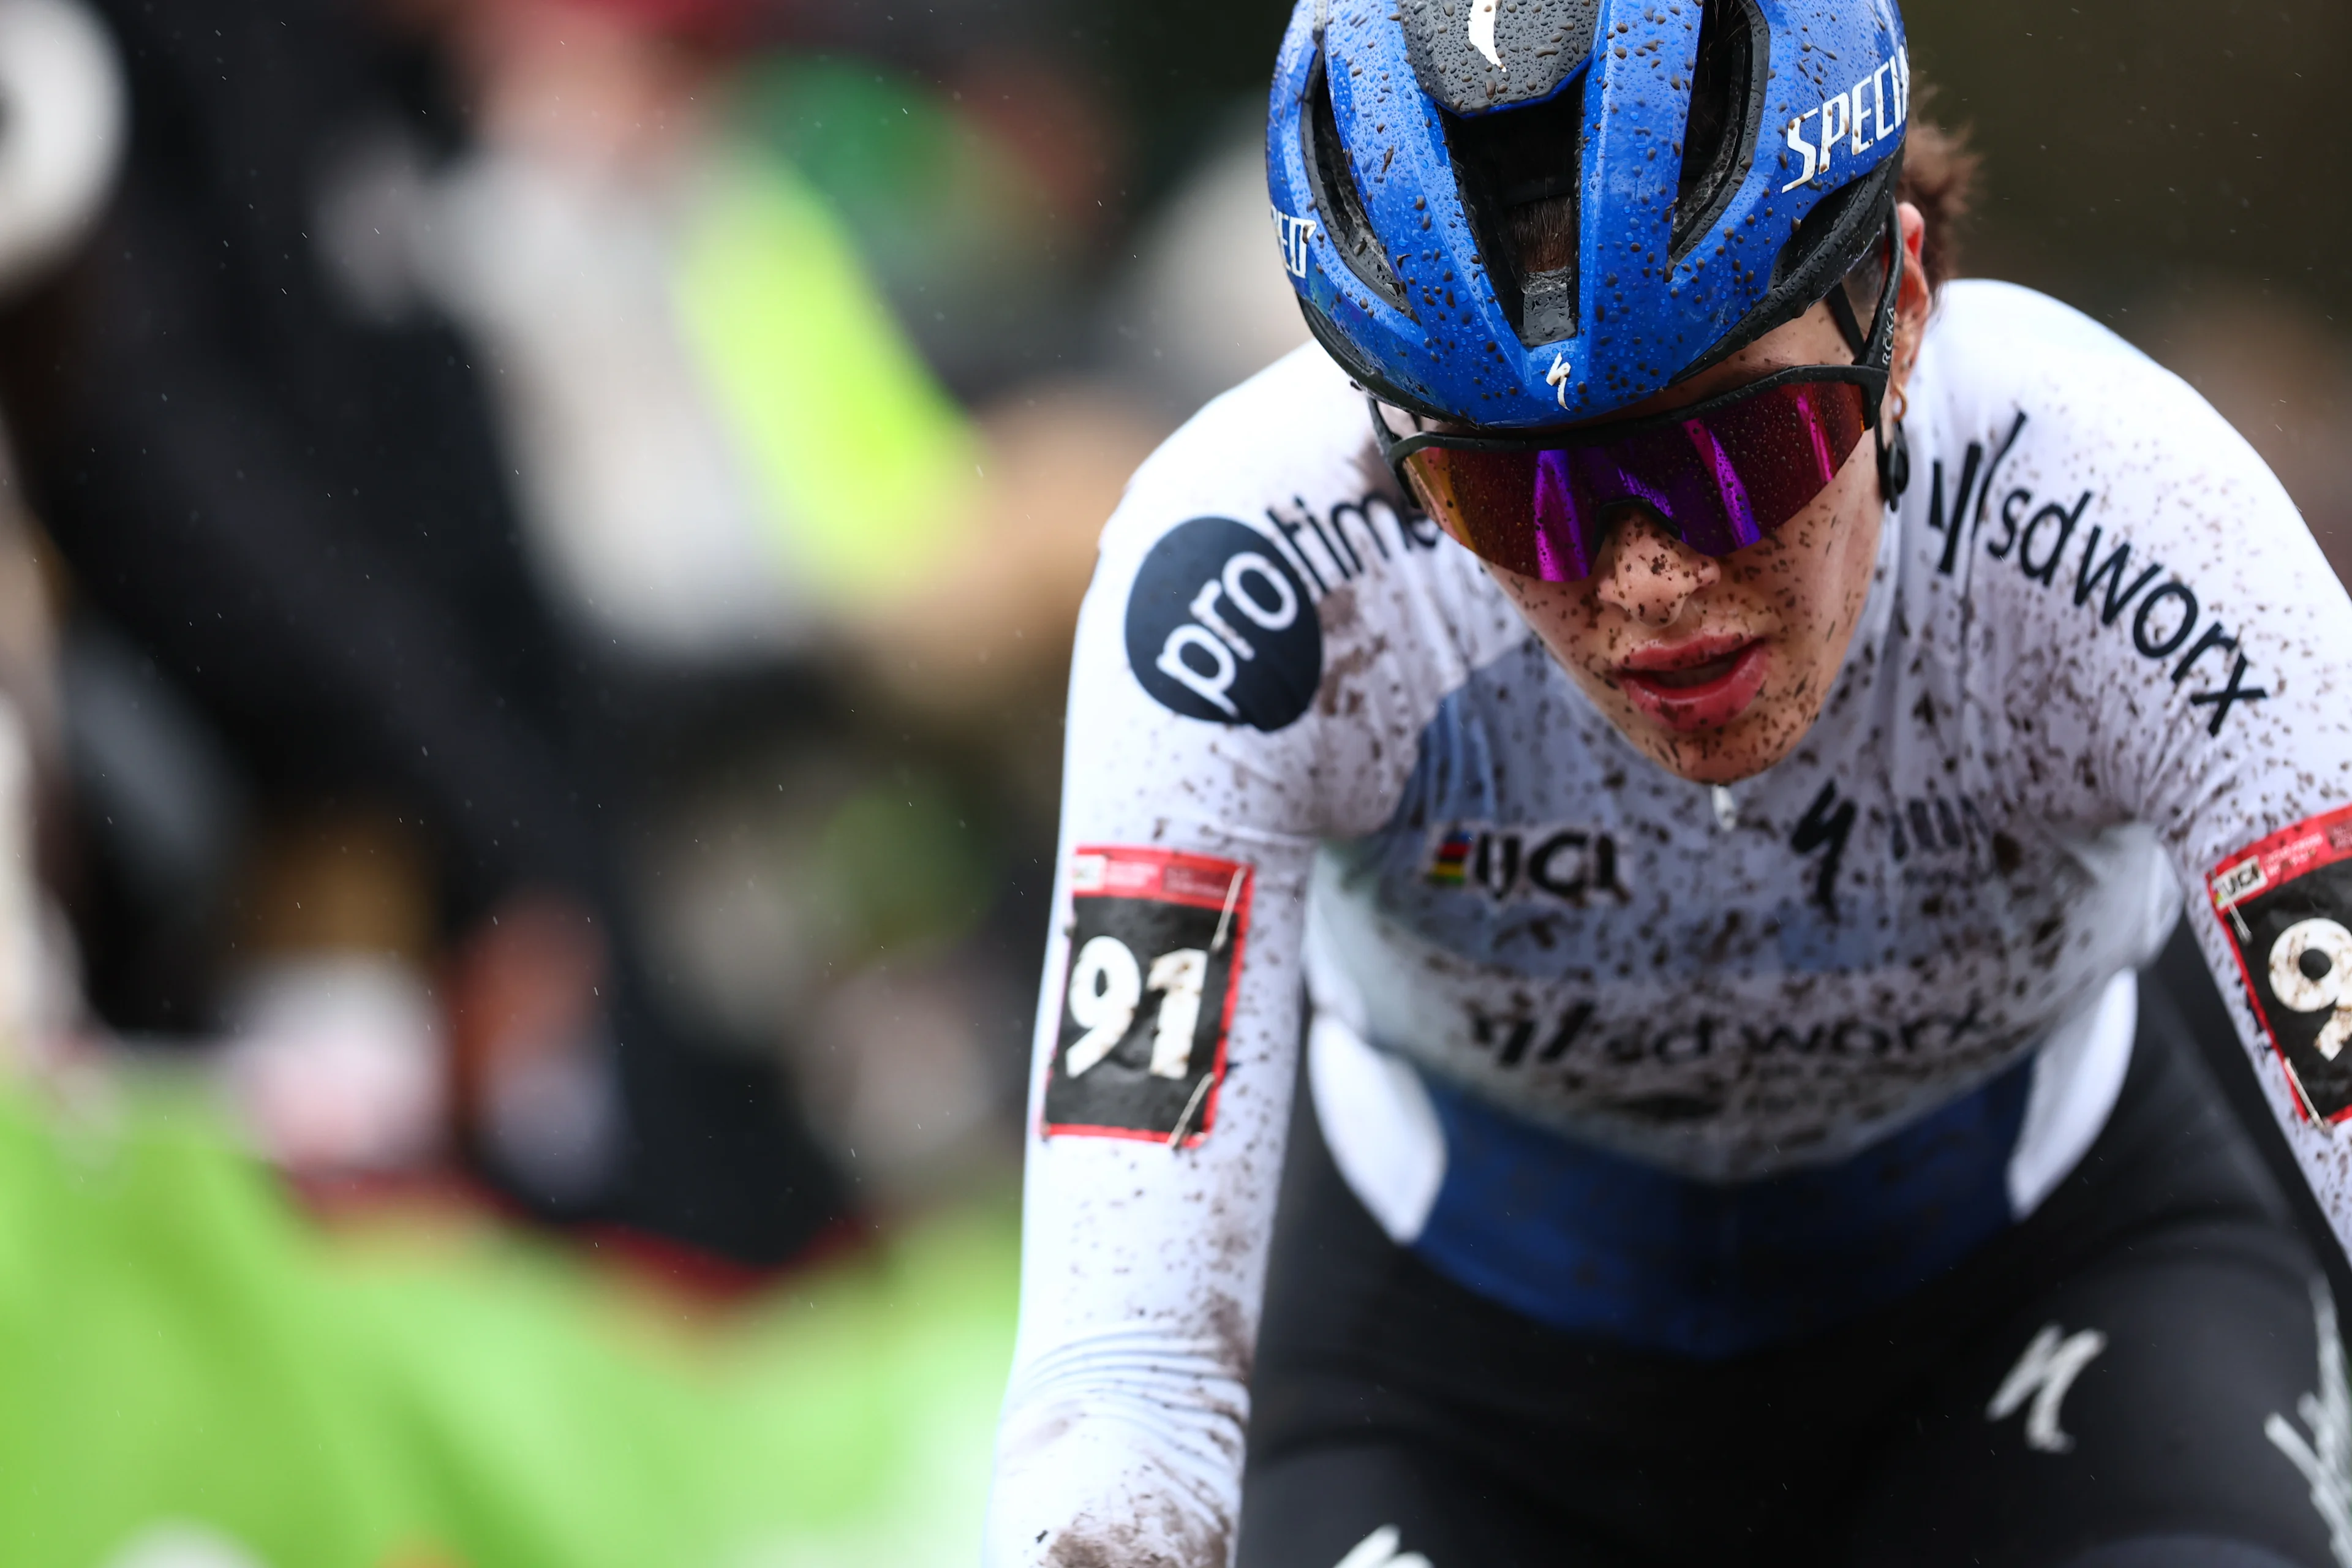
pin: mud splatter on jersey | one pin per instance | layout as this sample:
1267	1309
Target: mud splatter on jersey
1575	1020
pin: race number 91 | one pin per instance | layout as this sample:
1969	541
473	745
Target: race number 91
1155	962
2286	906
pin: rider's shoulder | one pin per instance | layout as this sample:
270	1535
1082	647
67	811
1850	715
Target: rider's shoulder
1293	430
1265	564
1987	311
1992	342
2070	454
2045	395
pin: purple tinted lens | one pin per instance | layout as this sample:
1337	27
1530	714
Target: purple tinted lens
1563	522
1721	481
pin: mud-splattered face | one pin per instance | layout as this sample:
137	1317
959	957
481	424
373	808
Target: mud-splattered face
1714	668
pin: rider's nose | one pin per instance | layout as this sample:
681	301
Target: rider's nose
1649	573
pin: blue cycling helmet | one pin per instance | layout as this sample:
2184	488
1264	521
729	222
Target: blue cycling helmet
1520	213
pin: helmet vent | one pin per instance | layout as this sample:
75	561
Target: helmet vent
1829	239
1331	175
1520	169
1719	138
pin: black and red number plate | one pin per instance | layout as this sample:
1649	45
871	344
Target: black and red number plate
2286	903
1155	962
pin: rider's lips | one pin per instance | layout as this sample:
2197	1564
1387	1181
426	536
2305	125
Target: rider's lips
1701	684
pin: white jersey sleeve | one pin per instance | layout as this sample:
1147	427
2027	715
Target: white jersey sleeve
1230	706
2152	636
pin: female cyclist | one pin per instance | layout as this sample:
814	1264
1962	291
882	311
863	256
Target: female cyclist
1706	839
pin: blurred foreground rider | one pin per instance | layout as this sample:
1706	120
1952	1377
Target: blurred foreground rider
1708	718
297	510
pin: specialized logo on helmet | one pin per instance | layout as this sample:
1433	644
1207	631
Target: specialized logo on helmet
1841	118
1294	232
1560	374
1482	30
1485	55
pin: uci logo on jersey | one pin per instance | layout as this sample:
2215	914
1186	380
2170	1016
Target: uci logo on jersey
1220	627
1565	863
1880	101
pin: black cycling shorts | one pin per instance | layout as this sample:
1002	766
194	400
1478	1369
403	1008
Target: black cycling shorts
2143	1375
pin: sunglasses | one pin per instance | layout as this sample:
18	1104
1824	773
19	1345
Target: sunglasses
1719	474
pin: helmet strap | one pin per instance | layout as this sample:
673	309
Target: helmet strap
1893	461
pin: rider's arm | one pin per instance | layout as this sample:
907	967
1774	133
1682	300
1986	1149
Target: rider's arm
1143	1258
1144	1227
2174	651
1230	701
2262	832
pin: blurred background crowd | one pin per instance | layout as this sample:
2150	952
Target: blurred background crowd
559	522
539	538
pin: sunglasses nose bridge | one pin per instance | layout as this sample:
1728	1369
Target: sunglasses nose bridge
1615	496
1583	498
1615	522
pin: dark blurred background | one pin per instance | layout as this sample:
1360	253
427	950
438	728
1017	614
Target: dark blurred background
545	531
2171	169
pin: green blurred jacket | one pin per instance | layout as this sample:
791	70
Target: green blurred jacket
193	1375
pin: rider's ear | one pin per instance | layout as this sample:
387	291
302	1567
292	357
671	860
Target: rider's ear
1911	305
1894	458
1910	324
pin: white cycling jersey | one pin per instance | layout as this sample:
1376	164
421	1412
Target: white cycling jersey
1636	1057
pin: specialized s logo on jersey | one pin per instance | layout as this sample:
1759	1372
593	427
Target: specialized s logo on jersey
1220	627
2286	904
1156	945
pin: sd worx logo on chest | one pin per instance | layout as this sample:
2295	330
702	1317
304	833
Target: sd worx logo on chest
1572	864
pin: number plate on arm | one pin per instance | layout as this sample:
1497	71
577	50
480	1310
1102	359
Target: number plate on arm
1155	962
2286	904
